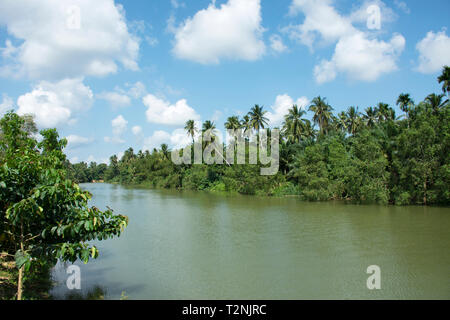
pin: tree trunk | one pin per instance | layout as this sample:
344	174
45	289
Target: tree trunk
20	284
425	192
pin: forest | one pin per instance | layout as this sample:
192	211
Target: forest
365	156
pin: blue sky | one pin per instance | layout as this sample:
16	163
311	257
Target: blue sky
114	74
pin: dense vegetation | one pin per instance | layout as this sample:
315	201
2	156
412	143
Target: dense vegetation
370	156
43	215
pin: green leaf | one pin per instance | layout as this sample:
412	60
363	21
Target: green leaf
21	259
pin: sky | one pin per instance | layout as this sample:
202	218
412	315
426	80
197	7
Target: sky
110	75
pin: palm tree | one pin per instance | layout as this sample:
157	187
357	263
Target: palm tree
246	123
165	150
444	78
340	122
209	127
257	119
435	101
370	117
190	129
308	130
233	123
405	103
353	120
294	124
322	113
383	112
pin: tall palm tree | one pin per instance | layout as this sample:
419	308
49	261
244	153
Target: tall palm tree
444	78
246	123
370	117
353	120
257	118
190	129
322	113
308	130
209	127
405	103
165	150
233	123
294	124
383	112
435	101
340	122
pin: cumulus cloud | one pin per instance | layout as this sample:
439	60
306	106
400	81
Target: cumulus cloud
56	104
6	105
434	52
137	130
67	40
281	106
119	126
231	31
162	112
177	139
115	99
358	54
276	43
74	141
361	58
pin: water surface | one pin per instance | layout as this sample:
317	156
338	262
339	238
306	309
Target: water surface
183	245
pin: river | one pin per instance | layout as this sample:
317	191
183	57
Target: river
197	245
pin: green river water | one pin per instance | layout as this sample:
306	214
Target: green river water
183	245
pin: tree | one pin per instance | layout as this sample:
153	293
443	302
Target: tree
233	123
370	117
257	118
191	129
353	120
444	78
165	151
322	113
435	101
44	216
294	124
405	103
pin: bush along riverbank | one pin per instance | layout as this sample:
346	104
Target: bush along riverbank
374	155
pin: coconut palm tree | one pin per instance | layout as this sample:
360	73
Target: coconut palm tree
405	103
165	150
191	129
294	124
257	118
322	113
208	129
353	120
233	123
444	78
308	130
370	117
246	123
435	101
383	112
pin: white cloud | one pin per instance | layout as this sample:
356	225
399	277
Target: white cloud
119	126
434	52
177	139
137	130
137	90
56	44
358	54
55	104
162	112
276	43
74	141
281	107
231	31
115	99
361	58
402	6
6	105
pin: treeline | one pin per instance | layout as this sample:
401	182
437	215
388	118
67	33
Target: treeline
370	156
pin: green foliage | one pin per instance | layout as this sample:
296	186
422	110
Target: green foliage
373	156
43	215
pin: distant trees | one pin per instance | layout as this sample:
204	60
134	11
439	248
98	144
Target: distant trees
373	156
